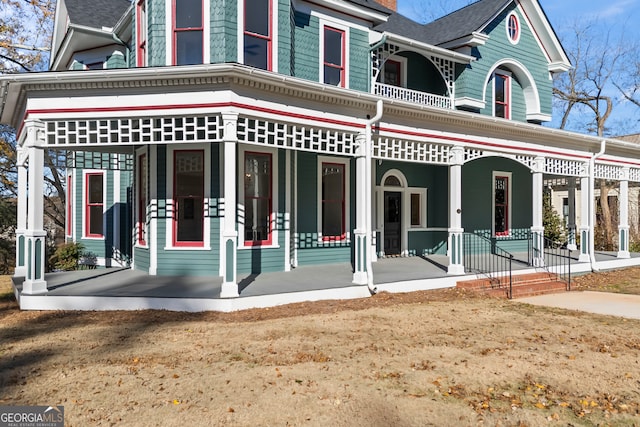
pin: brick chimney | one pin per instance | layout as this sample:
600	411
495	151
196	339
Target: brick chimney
389	4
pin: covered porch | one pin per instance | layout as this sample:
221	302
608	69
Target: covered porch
128	289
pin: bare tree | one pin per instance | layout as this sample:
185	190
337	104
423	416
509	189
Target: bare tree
586	96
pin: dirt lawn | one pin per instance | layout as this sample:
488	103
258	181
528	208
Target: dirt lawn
438	358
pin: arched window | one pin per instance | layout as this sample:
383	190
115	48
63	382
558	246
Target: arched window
392	181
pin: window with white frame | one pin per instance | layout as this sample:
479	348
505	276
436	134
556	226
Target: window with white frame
502	94
188	198
258	198
501	203
333	198
513	28
94	204
257	33
188	32
141	33
334	56
417	207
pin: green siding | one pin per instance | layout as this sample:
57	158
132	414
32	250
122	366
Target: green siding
422	75
142	259
156	35
284	38
359	61
224	31
477	193
306	47
527	52
117	60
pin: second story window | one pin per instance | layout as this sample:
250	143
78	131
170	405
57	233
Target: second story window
141	33
502	95
257	33
392	72
334	57
513	28
188	32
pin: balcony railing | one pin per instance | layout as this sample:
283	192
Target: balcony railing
414	96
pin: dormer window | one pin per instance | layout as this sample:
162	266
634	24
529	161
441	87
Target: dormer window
334	57
188	32
513	28
257	33
502	95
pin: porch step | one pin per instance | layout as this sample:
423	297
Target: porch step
524	285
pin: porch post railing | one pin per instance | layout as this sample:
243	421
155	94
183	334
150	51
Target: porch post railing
571	244
585	232
35	235
455	242
21	268
228	261
623	227
537	228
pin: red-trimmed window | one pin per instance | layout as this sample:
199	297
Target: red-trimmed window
334	57
502	95
257	198
392	70
333	201
69	205
141	33
501	206
94	205
142	199
188	32
188	198
257	33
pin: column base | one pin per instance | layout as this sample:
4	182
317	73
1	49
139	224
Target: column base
34	287
624	254
584	258
572	247
456	269
229	290
360	278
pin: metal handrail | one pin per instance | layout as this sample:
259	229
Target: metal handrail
555	259
483	256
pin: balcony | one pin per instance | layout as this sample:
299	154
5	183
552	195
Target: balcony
414	96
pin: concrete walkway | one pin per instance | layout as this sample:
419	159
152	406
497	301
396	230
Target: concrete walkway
611	304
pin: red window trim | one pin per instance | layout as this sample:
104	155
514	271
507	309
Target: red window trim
176	242
269	240
142	200
141	28
69	205
87	216
342	54
343	235
506	205
177	30
268	38
507	95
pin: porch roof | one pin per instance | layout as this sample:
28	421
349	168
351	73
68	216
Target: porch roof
15	89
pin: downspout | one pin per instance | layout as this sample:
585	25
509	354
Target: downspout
592	191
368	222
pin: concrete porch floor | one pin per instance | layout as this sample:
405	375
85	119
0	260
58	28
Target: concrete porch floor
126	289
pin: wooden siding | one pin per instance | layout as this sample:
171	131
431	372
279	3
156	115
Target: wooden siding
156	35
306	47
527	52
359	61
141	259
284	38
224	31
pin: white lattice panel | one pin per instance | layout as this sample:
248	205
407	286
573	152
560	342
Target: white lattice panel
98	160
563	167
306	138
471	154
134	130
634	174
608	172
412	151
525	160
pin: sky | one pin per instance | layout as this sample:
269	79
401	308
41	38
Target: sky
619	17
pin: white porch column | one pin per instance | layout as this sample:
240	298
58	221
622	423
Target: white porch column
623	227
228	251
537	228
35	235
455	249
571	226
360	232
585	232
21	244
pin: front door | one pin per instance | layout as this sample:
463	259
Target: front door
392	222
